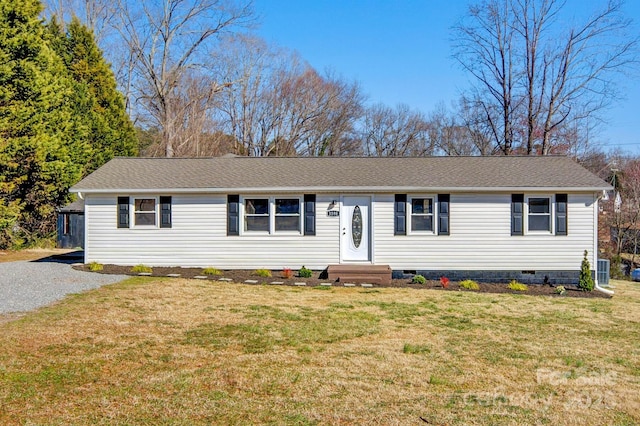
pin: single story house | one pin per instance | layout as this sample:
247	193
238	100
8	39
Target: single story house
484	218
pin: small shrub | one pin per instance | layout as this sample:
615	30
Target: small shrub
305	273
287	273
469	285
141	268
95	267
264	273
515	285
211	271
560	290
616	269
445	282
585	282
419	279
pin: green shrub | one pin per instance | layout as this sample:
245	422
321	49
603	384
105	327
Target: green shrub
419	279
585	282
615	268
95	267
141	268
211	271
469	285
560	290
305	273
515	285
264	273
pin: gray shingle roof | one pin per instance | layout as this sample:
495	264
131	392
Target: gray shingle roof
74	207
339	173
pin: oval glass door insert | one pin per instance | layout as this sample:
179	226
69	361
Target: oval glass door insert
356	226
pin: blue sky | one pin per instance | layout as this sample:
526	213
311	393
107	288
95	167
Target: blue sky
400	51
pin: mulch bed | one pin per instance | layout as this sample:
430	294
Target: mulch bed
240	276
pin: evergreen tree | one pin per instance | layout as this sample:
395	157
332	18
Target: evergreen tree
42	141
585	282
111	131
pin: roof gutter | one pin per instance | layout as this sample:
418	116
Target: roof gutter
332	189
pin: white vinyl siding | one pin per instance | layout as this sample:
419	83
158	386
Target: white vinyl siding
480	238
198	237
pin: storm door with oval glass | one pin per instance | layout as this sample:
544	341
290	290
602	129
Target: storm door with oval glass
355	231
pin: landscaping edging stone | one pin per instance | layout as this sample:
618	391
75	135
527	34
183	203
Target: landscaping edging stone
247	277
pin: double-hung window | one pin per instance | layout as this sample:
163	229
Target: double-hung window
272	215
144	212
539	214
422	215
147	212
287	214
256	214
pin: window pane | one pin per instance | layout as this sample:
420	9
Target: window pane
287	206
538	205
145	218
145	205
422	223
256	206
287	223
422	205
256	223
539	223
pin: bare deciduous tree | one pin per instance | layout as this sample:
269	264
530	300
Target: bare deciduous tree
537	76
279	105
389	132
97	15
168	42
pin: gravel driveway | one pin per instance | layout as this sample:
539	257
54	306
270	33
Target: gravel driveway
28	285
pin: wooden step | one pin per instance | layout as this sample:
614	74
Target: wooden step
373	274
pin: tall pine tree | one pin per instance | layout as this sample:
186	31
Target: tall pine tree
60	118
41	140
100	104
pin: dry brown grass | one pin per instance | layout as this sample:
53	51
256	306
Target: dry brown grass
150	351
29	254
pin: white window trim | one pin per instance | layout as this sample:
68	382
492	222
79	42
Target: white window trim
434	215
132	210
244	213
272	214
552	210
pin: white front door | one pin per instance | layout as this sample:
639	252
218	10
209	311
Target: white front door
355	222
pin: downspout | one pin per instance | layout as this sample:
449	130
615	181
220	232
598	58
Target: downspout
595	253
603	290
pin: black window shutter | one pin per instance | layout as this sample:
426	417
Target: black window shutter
400	215
443	214
561	214
123	212
517	206
309	214
233	215
165	212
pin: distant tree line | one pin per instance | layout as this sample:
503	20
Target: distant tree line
197	83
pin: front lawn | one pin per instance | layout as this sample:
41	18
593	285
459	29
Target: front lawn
177	351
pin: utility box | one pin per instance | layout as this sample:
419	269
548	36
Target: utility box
603	272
